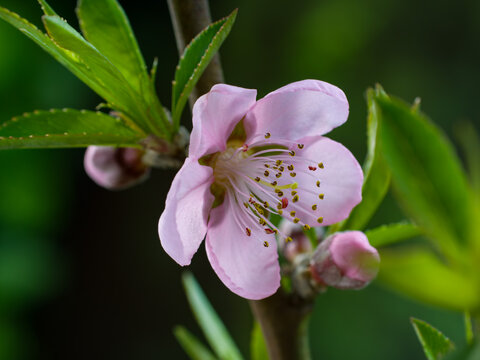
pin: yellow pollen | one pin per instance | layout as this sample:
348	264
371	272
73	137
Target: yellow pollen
292	153
321	196
280	193
296	220
262	222
281	168
320	220
320	165
278	175
267	135
274	183
292	213
280	211
265	243
245	204
249	232
294	193
265	204
292	174
257	179
295	198
288	239
275	231
300	146
290	167
306	227
318	183
266	165
279	162
314	207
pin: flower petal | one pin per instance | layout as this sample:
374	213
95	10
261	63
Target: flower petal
303	108
183	223
242	262
215	115
341	182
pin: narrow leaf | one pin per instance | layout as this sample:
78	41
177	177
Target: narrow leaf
121	95
47	9
192	346
426	173
195	58
66	128
258	348
377	174
211	325
434	343
392	233
418	273
105	25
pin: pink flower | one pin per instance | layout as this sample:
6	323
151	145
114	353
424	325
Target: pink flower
345	260
115	168
248	159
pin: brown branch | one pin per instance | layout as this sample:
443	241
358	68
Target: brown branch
189	17
283	321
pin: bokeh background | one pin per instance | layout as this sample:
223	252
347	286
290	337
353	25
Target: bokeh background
82	273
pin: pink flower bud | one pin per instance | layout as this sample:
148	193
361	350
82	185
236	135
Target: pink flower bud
115	168
345	261
300	243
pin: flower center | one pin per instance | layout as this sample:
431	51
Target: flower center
269	176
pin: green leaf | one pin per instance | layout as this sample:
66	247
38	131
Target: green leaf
211	325
392	233
377	174
47	9
426	173
105	25
121	96
83	60
192	346
66	128
471	352
418	273
434	343
258	348
195	58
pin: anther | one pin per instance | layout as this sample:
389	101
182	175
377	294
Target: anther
269	231
257	179
320	165
266	165
313	168
292	213
279	162
278	175
249	232
265	243
280	193
292	153
318	183
294	193
267	135
296	220
244	147
290	167
281	168
284	203
295	198
314	207
306	227
265	205
321	196
320	220
293	174
245	204
288	239
300	146
266	173
280	211
262	222
273	183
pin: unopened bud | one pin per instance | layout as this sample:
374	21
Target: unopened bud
115	168
300	243
345	260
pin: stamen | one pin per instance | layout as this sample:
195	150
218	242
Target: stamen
300	146
288	239
278	175
321	196
313	168
249	232
296	220
266	173
266	244
292	174
294	193
314	207
320	220
290	167
292	213
257	179
267	135
320	165
269	231
306	227
284	203
295	198
292	153
318	183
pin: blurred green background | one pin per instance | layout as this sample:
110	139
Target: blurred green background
82	273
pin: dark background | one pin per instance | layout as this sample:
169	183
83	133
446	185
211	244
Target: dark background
82	272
